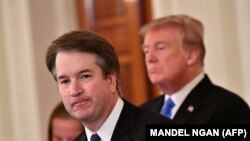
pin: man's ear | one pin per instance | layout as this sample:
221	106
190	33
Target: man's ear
192	57
112	81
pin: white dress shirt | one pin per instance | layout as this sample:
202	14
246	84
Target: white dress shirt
179	96
107	129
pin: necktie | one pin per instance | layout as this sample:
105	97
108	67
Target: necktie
95	137
167	108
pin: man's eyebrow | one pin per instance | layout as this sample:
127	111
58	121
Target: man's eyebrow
84	71
155	44
61	77
80	72
160	42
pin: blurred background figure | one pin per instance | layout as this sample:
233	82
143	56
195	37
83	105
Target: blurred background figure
174	55
63	127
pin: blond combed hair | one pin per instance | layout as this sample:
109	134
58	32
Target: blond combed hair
191	28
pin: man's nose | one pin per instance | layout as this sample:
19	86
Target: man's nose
150	57
76	88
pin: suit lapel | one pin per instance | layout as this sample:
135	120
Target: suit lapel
82	137
158	104
125	124
193	101
124	128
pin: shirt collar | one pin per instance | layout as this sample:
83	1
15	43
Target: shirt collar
107	129
179	96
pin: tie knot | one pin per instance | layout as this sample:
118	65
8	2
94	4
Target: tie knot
170	103
95	137
167	108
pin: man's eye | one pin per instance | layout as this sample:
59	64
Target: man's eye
161	47
145	51
64	81
85	76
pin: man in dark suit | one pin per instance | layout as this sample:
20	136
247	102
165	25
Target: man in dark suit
131	124
86	69
174	56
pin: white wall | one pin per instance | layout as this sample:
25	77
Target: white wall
243	33
5	122
28	92
49	19
19	73
227	35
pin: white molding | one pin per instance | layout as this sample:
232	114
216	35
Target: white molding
243	22
66	17
20	72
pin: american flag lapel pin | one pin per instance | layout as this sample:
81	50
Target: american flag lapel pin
190	108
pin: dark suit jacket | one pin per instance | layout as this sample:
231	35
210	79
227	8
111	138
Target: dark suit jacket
131	124
207	104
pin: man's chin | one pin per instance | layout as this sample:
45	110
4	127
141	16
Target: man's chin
155	81
81	116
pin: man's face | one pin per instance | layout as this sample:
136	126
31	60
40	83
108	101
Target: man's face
165	58
85	93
